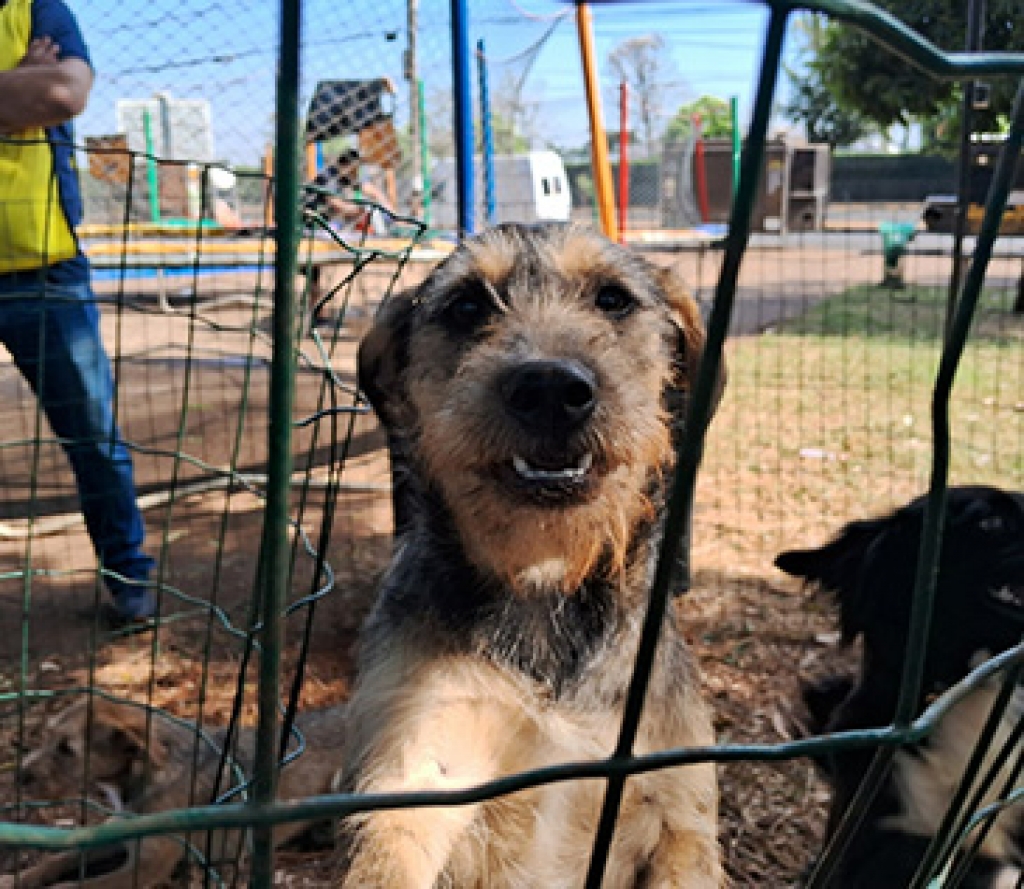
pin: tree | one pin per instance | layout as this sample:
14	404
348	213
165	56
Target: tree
812	104
512	121
888	90
507	139
715	119
440	134
513	118
814	107
639	63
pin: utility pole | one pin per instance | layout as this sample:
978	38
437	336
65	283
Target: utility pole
411	76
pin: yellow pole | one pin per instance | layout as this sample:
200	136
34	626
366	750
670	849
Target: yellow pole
604	193
268	172
311	169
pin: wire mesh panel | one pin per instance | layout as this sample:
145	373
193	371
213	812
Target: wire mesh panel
187	318
829	414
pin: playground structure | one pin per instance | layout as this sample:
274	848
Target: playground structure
172	147
194	224
359	109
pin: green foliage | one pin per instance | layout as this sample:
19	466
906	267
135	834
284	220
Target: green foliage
585	187
506	138
885	88
715	119
823	119
811	102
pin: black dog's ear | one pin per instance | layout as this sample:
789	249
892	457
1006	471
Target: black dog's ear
690	342
836	565
383	357
845	566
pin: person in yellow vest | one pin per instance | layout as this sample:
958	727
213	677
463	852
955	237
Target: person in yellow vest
49	321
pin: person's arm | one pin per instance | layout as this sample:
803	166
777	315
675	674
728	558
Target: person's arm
372	193
343	210
43	90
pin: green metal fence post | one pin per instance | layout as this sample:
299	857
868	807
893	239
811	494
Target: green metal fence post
274	575
152	177
421	104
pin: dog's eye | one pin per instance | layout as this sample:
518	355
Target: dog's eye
614	301
468	310
64	747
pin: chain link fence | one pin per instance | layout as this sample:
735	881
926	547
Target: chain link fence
826	416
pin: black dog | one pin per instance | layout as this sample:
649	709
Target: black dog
978	612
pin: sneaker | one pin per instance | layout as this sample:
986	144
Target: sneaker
114	620
133	603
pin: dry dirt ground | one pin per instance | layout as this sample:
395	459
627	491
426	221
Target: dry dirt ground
193	392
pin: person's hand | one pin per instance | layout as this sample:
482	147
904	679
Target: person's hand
41	51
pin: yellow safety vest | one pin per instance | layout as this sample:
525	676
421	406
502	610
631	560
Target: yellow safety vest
34	232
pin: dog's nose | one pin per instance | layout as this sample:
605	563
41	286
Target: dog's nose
549	395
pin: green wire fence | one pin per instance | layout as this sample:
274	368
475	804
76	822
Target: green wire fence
329	423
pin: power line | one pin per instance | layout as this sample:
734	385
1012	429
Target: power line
537	17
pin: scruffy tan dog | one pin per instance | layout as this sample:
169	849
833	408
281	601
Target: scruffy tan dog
532	388
148	765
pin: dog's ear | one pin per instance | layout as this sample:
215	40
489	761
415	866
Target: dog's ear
382	360
847	566
384	356
690	339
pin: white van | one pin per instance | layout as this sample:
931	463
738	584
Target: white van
531	187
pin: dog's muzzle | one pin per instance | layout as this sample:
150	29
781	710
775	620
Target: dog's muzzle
550	401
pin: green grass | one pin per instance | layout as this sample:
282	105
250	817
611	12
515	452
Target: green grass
827	418
914	314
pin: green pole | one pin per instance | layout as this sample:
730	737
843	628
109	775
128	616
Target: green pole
734	113
424	153
273	573
151	173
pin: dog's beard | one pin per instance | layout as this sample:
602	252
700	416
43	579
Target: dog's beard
535	549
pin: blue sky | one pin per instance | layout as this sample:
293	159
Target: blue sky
710	48
225	51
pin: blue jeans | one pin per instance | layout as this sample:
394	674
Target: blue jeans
54	339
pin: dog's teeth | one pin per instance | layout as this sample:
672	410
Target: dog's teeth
532	473
521	466
1006	594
